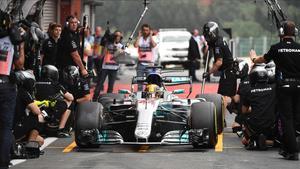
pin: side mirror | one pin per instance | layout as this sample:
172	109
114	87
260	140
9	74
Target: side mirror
124	91
178	91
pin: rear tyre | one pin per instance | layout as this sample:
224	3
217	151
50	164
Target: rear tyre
88	117
217	99
203	115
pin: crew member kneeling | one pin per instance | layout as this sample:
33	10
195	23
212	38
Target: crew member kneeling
259	109
28	115
50	89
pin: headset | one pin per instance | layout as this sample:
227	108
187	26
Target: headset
283	28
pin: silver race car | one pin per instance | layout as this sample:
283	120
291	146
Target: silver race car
152	116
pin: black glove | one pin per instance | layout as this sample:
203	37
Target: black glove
205	75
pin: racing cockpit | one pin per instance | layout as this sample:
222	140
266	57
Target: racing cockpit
154	86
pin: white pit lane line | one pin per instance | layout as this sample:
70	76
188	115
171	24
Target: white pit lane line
47	142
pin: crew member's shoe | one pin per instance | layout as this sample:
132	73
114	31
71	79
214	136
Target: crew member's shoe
236	127
261	142
288	156
282	152
292	156
63	133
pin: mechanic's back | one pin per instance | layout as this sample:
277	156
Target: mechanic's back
286	55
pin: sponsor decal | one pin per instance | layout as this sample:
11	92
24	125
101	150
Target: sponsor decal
289	50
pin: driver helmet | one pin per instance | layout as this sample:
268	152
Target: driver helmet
26	80
152	90
50	72
211	31
71	75
258	74
154	78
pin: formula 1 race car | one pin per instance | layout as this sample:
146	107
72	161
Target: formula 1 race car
152	116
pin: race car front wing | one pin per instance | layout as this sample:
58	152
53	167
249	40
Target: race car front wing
176	137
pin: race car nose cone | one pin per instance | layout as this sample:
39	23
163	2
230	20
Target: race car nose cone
142	131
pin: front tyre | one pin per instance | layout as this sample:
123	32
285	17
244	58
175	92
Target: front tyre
88	120
203	116
217	99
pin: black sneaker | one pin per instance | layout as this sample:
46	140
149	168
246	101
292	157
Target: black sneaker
232	108
236	129
288	156
282	152
292	156
261	142
63	133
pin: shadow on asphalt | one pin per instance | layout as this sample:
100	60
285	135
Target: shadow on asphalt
142	149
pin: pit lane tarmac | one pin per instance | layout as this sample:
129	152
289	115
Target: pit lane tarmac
228	154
